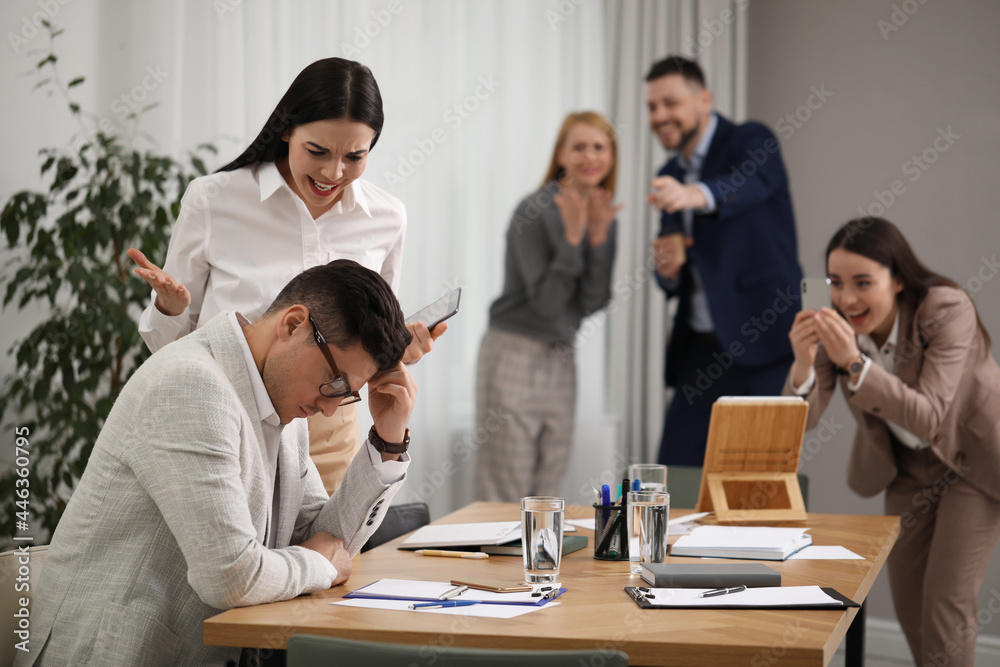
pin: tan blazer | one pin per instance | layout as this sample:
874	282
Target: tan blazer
169	522
946	390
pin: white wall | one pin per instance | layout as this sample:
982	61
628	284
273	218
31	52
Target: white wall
886	94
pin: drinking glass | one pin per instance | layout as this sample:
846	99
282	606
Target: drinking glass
648	512
541	538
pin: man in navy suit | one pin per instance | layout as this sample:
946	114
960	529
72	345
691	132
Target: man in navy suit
726	247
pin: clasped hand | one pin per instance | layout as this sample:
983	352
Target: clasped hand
592	215
826	326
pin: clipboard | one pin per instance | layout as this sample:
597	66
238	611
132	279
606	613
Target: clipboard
646	598
431	591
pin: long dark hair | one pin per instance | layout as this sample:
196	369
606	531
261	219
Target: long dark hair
881	241
329	88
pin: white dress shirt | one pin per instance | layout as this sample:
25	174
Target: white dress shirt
885	357
388	472
242	235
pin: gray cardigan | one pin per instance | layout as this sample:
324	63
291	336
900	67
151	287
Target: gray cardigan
550	285
168	524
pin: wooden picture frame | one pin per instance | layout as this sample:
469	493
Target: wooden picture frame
752	460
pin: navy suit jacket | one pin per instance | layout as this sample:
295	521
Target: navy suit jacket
745	251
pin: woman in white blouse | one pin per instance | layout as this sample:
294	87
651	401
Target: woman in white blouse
293	200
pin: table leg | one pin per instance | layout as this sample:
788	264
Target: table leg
855	649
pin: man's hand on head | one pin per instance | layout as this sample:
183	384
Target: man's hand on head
391	394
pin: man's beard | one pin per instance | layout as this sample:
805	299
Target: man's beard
688	137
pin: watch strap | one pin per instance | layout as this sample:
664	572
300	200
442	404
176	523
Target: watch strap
389	447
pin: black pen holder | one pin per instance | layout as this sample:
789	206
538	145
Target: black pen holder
610	533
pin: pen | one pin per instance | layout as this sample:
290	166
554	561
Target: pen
445	603
721	591
457	590
478	555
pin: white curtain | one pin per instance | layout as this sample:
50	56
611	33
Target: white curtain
474	92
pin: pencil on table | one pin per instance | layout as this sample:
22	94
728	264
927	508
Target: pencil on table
477	555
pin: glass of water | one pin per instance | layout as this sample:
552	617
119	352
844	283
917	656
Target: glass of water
648	512
541	538
651	476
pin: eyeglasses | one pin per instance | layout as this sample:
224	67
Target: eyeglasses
337	387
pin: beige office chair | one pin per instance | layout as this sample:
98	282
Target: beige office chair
316	651
13	578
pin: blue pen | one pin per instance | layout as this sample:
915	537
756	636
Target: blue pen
444	603
606	501
636	485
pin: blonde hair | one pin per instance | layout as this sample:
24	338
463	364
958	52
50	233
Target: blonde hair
595	120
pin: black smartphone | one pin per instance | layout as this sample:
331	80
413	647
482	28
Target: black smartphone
438	311
815	293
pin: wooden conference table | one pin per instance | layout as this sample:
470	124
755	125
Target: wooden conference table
594	612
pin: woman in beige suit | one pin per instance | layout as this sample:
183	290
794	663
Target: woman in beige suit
913	360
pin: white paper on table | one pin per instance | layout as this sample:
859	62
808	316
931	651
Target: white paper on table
773	596
588	524
683	525
482	610
834	552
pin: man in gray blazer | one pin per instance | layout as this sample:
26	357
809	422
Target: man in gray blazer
200	494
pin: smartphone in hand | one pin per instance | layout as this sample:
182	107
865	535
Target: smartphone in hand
815	293
437	311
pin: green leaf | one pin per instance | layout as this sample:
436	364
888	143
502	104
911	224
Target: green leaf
51	58
75	82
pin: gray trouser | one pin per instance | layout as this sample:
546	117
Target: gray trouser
526	394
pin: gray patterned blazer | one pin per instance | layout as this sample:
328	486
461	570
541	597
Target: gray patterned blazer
168	524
